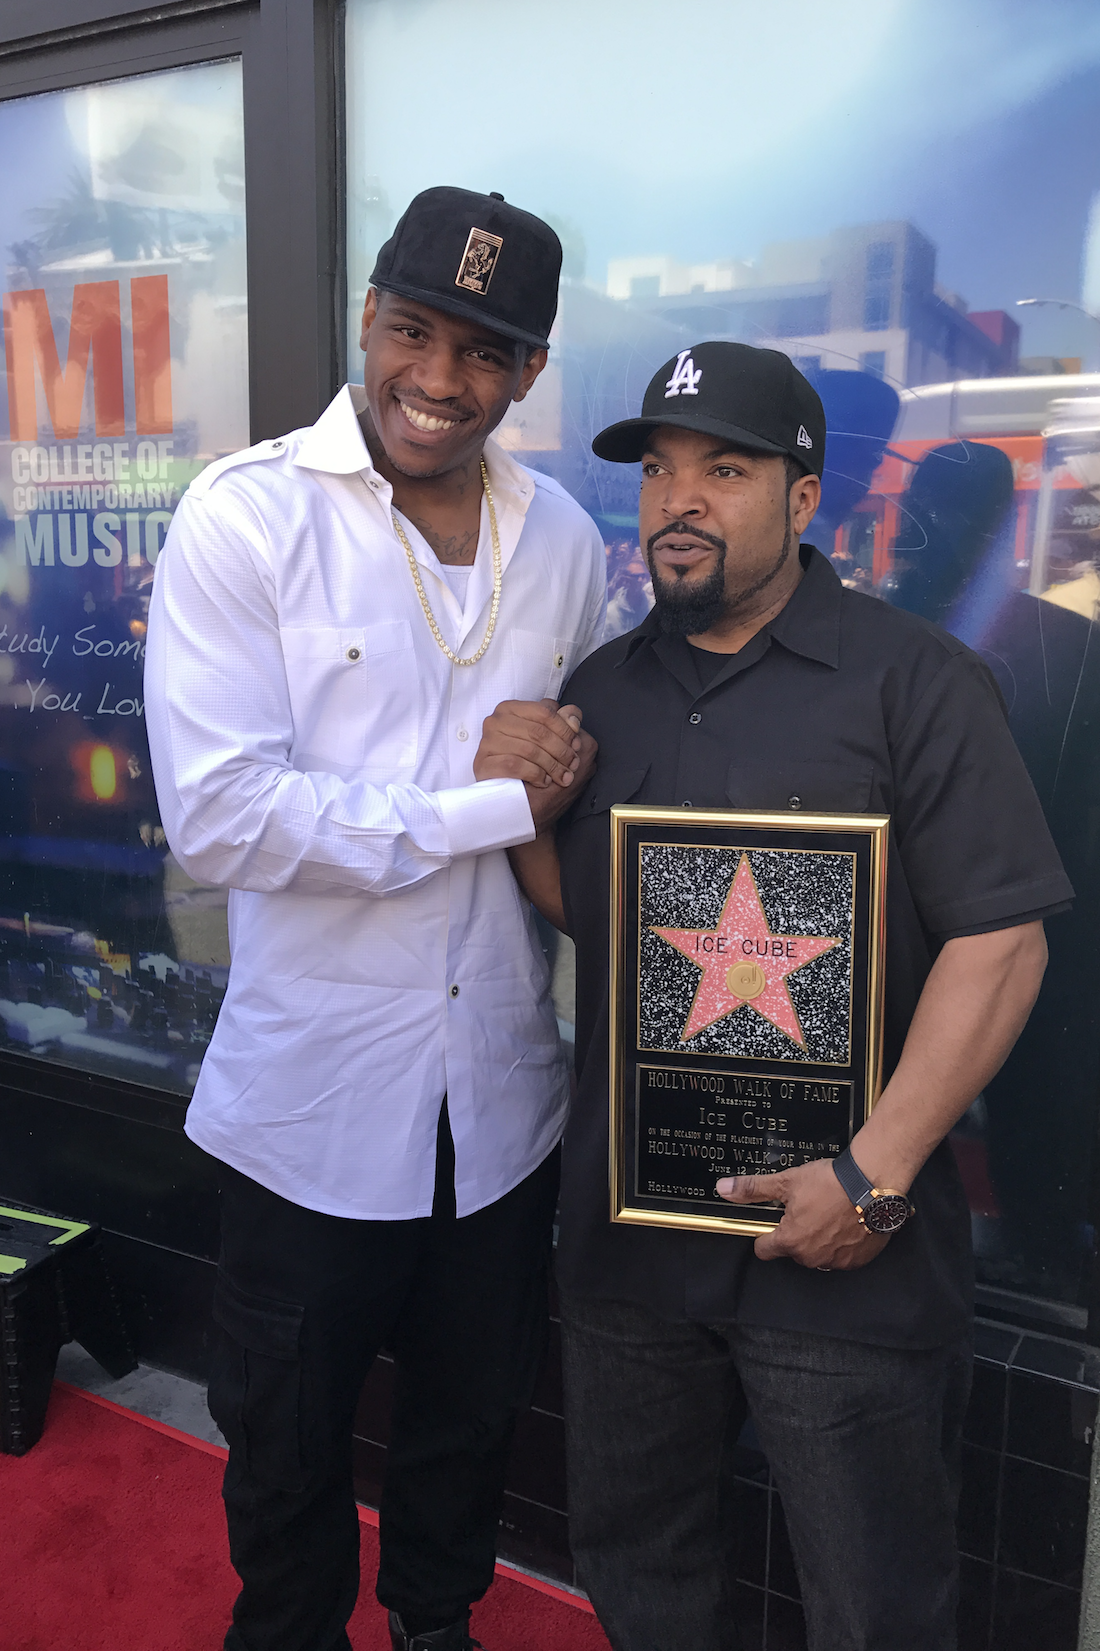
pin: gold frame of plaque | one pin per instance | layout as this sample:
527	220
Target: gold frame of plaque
756	1062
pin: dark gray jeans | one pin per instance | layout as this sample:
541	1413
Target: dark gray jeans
862	1441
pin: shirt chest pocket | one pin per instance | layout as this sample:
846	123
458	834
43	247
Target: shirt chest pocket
816	787
607	787
540	663
354	695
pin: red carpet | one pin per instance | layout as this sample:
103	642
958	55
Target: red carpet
112	1539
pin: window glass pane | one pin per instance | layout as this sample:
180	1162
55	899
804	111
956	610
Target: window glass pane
126	372
872	188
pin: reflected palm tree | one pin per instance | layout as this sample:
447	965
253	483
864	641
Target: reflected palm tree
79	223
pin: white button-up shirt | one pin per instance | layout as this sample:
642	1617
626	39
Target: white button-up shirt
313	750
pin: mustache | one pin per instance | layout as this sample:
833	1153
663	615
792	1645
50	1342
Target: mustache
683	529
449	408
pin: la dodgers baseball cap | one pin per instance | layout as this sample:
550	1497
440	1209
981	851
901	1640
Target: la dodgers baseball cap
752	398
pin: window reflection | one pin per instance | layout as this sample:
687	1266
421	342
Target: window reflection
879	229
981	556
125	354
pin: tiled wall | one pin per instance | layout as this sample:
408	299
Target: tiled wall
1022	1514
1024	1502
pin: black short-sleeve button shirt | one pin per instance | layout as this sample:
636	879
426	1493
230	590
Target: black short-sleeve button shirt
844	704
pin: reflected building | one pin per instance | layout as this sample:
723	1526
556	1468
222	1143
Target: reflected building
863	297
858	310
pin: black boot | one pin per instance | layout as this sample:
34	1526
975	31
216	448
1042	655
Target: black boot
455	1637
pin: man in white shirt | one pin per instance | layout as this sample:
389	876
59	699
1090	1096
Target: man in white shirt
335	614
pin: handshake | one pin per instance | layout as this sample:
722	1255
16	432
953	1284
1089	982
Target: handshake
542	744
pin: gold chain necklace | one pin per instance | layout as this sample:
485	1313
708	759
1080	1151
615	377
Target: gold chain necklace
497	581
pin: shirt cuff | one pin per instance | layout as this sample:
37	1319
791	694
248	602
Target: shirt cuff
487	815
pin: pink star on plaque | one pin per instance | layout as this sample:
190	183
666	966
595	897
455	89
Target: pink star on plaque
743	962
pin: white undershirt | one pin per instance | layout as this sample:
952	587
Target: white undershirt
458	579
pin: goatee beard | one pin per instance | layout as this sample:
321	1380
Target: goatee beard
692	610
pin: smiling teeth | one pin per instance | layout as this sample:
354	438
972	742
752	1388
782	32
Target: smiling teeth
424	421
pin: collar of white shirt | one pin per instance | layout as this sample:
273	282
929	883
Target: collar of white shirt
335	445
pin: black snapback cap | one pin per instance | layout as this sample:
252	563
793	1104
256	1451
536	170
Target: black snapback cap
475	256
753	398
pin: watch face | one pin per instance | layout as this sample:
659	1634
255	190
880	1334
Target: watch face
886	1214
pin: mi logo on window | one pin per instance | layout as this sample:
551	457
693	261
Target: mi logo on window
685	377
95	343
478	261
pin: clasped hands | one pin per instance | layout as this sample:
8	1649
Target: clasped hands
542	744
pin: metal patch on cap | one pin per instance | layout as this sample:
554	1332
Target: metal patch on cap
478	261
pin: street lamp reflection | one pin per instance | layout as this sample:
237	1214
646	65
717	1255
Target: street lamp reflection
102	773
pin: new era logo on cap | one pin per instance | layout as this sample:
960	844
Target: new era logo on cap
685	377
802	438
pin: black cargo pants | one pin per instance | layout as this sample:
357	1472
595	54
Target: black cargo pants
303	1303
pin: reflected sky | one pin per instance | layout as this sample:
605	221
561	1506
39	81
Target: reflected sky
708	128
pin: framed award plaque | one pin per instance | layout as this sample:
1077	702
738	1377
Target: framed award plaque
746	1002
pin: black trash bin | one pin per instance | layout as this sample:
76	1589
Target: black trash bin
54	1288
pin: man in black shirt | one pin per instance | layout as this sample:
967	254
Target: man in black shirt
760	682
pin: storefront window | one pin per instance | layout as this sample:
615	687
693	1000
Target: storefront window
126	372
872	188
